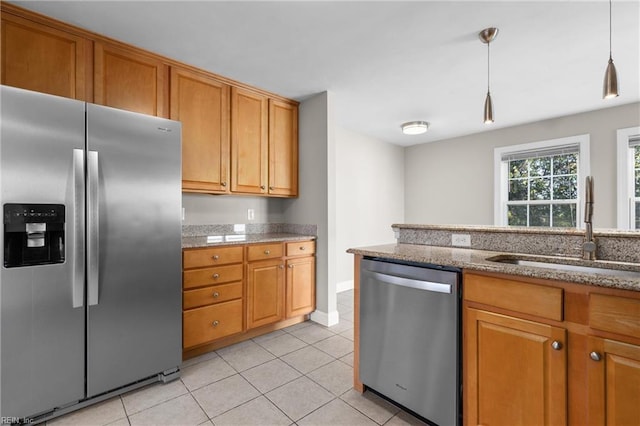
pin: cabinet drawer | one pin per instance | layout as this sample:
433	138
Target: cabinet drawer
300	248
199	258
533	299
211	295
615	314
264	251
212	276
203	325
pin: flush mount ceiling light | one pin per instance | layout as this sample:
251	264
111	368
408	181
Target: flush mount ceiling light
415	127
487	36
610	87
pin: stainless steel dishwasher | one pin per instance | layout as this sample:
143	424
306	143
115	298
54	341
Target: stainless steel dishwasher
410	336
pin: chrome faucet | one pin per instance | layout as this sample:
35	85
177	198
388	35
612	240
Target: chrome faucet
589	244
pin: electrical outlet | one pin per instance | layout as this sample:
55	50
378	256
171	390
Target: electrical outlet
250	214
461	240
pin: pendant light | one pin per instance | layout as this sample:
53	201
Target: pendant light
487	36
610	87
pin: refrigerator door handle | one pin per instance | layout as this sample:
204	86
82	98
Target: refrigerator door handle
92	228
77	280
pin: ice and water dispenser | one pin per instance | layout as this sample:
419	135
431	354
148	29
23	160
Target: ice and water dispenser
33	234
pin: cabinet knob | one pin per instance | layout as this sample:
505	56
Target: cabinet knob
216	294
216	276
261	186
281	266
271	188
223	183
215	257
215	323
303	248
556	345
291	266
595	356
267	252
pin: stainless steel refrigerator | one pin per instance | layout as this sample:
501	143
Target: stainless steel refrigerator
90	287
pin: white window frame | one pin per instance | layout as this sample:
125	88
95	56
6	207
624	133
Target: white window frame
626	189
501	172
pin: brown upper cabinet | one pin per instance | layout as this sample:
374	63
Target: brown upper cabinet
126	79
249	141
201	103
283	148
235	139
264	144
44	59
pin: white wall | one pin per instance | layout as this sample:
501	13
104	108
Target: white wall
451	181
203	209
316	203
369	196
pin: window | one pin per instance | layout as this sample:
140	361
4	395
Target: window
540	183
629	178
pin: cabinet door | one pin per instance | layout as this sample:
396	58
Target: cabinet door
283	148
202	105
265	292
249	142
301	286
614	382
40	58
128	80
513	374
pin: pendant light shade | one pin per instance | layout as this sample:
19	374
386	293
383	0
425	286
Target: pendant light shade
610	86
487	36
488	109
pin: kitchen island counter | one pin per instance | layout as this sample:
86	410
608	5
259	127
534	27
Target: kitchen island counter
472	259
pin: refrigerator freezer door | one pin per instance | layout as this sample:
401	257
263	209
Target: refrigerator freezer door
134	313
42	334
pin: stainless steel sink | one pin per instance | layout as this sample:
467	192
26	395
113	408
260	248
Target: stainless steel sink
617	269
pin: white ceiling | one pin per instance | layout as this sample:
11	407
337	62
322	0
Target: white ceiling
390	62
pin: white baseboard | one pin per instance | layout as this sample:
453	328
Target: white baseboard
326	319
344	286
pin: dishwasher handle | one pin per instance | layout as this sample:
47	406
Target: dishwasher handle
417	284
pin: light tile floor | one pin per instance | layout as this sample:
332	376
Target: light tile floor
300	375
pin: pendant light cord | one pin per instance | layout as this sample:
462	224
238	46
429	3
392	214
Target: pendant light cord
488	65
610	29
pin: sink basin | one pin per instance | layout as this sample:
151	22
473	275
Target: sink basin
625	270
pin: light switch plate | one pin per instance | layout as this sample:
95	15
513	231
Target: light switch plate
461	240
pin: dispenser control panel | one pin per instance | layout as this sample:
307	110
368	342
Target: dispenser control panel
34	234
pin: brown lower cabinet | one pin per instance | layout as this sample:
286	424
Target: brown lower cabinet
541	352
233	293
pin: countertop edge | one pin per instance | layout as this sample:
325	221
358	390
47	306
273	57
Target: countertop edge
201	241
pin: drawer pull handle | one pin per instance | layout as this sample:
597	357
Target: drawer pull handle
302	248
267	252
216	276
556	345
216	294
215	323
215	257
595	356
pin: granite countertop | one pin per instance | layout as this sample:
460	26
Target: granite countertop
472	259
228	239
